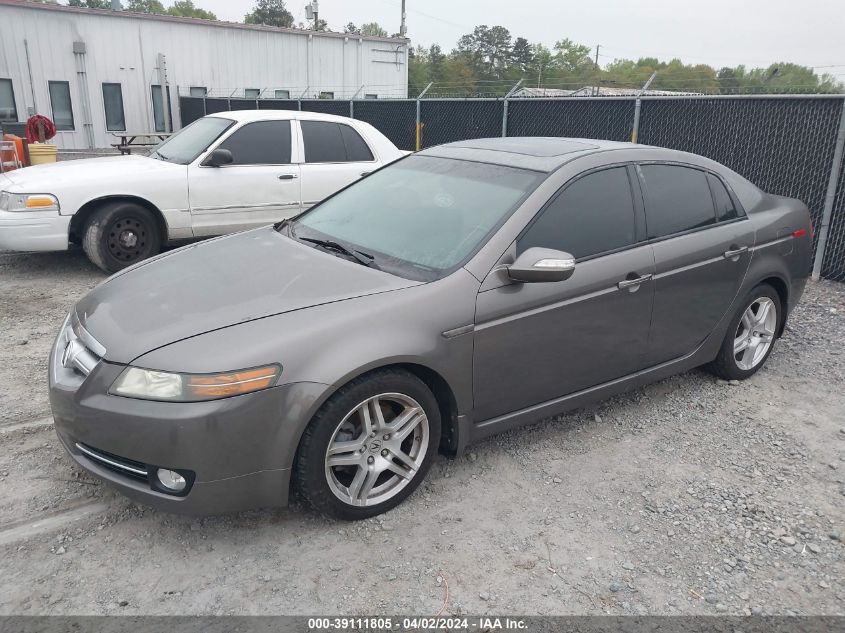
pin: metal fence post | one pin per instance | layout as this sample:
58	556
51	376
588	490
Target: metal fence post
830	196
638	106
418	127
505	108
351	109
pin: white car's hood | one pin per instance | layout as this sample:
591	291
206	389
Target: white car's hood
51	178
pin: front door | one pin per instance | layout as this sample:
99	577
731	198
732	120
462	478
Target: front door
260	187
535	342
702	248
335	155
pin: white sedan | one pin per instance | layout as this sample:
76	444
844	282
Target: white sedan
224	172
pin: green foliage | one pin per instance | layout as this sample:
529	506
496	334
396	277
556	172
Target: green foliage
187	9
271	13
489	61
145	6
373	29
90	4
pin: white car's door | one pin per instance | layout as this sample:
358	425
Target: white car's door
334	155
260	187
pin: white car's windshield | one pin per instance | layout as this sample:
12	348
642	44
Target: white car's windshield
421	217
191	141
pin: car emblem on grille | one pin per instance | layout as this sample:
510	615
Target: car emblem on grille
72	349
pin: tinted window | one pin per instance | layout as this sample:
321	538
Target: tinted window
60	104
113	103
356	148
8	111
158	108
592	215
260	143
333	143
725	207
678	199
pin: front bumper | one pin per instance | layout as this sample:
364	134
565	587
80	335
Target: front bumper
34	231
238	450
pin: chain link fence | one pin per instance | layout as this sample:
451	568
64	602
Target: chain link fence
787	145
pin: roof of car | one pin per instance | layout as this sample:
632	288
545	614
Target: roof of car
262	115
541	153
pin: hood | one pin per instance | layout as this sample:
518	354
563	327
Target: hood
216	284
48	178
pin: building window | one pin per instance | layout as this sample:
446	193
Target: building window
8	111
113	103
326	95
370	96
251	93
199	91
159	118
282	94
61	105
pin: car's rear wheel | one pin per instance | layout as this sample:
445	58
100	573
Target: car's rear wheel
751	335
119	234
369	446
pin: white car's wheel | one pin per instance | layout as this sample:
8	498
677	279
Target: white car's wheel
119	234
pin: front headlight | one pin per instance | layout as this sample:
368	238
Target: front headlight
28	201
148	384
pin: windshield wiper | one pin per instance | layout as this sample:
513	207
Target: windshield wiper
359	256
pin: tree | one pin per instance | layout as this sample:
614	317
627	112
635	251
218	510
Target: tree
90	4
373	29
486	51
145	6
351	28
522	55
187	9
270	13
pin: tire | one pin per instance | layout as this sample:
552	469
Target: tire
365	479
120	234
731	364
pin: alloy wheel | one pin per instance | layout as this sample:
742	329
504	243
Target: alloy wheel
377	449
755	333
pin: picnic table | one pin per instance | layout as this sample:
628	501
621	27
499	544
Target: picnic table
129	140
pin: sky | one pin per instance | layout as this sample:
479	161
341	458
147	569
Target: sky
716	32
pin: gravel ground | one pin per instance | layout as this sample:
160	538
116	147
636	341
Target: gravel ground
690	496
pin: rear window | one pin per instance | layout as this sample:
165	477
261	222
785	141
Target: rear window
329	142
679	199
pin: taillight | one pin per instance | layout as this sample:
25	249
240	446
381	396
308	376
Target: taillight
799	233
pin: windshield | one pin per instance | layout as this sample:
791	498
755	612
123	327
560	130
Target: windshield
421	217
191	141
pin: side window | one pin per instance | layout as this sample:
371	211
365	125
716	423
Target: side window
594	214
356	148
260	143
327	142
679	199
725	207
8	110
61	105
113	103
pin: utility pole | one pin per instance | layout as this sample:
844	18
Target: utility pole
598	79
402	27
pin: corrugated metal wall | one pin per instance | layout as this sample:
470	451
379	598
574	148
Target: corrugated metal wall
123	49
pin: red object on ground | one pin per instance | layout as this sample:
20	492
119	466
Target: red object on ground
39	129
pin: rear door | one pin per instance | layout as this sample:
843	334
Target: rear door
535	342
260	187
702	247
334	155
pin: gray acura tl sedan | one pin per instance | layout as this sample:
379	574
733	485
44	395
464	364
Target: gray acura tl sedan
456	293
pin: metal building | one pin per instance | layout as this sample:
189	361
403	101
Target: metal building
96	72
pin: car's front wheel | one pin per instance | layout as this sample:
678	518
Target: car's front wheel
751	335
119	234
369	446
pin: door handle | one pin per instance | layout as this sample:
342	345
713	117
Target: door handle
633	283
288	176
365	173
735	252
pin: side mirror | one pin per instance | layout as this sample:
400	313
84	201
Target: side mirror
541	265
218	158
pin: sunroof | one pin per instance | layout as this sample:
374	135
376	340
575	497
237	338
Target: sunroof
529	146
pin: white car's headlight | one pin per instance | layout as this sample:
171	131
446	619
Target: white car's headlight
28	201
147	384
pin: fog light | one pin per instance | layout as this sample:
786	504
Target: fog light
171	480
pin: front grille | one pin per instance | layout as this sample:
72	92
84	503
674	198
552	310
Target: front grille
115	463
78	351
